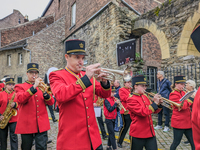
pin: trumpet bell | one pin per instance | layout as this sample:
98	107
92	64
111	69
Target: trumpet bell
126	73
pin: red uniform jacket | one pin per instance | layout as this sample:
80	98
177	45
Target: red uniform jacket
180	119
141	108
124	94
5	97
33	116
78	129
2	87
196	120
107	113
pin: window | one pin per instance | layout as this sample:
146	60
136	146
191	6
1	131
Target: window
19	79
9	60
151	77
73	19
19	58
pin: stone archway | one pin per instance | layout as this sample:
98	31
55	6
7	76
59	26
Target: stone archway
185	45
143	26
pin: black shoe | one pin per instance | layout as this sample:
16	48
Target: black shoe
49	141
55	120
105	137
109	148
186	142
119	145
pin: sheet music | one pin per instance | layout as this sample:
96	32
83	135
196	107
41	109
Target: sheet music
186	96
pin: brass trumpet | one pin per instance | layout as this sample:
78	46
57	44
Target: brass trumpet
166	102
126	73
120	106
44	88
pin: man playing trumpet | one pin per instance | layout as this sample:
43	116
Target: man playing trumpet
33	121
74	91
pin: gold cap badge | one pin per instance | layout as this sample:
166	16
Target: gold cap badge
81	45
144	79
34	65
11	80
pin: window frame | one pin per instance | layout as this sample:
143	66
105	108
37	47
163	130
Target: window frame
9	60
73	14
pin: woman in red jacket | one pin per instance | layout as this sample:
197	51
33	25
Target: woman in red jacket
181	119
140	107
110	112
5	97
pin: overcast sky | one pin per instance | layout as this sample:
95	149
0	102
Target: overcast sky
32	8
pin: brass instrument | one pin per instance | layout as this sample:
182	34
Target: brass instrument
120	106
100	101
126	73
44	88
166	102
8	113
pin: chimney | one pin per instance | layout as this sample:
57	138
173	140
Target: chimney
26	19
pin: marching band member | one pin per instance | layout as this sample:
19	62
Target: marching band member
5	97
196	105
2	85
124	94
110	113
181	119
73	90
33	121
141	107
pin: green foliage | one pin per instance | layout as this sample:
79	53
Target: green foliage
170	1
138	58
157	10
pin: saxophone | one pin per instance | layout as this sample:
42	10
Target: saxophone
8	113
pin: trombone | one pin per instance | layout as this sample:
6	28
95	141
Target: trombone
166	102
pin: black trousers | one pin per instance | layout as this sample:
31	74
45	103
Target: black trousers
178	134
126	124
101	124
40	141
111	138
51	112
13	137
139	143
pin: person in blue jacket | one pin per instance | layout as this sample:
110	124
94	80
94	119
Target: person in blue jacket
164	89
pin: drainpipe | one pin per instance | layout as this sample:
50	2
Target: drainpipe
28	51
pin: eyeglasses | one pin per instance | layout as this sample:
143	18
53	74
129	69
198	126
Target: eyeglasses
33	72
11	84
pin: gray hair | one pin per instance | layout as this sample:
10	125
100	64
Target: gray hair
162	73
191	83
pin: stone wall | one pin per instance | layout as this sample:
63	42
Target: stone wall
47	47
25	30
11	20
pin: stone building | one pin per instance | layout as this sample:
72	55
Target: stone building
12	20
15	43
103	24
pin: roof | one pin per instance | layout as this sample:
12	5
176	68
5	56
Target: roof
15	45
49	4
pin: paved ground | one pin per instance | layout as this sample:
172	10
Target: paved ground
164	140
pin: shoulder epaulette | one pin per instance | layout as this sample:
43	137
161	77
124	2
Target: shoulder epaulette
173	91
130	95
58	69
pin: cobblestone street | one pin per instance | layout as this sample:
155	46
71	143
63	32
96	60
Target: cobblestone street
164	140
